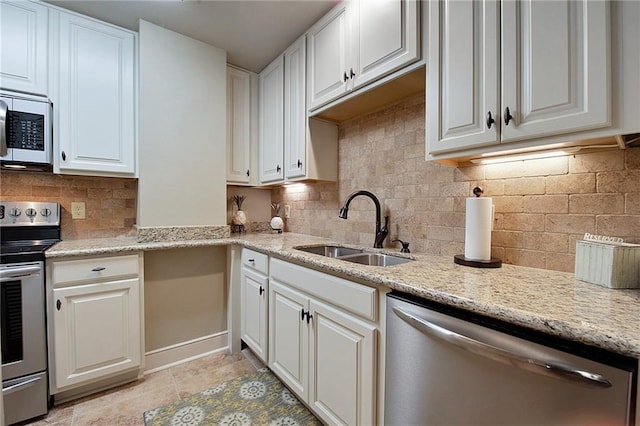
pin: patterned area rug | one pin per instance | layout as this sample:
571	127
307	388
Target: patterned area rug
254	399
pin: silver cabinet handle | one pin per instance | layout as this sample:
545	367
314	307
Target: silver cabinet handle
98	269
501	355
4	126
17	386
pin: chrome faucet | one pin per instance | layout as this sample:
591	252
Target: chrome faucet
381	232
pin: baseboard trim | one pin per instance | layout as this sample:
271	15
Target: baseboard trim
169	356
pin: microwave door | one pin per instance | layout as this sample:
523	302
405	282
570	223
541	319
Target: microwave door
4	127
31	124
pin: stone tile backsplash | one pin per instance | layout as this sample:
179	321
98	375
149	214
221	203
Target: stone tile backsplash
541	206
110	202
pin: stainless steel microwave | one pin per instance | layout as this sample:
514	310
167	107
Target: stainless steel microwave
25	132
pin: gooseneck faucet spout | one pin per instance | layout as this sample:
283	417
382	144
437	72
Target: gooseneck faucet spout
381	231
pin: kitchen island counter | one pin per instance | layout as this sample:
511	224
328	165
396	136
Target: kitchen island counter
548	301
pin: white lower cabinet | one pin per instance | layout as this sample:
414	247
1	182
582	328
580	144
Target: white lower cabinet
254	298
322	352
95	319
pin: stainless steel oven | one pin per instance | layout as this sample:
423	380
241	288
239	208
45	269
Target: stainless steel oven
25	132
24	350
26	231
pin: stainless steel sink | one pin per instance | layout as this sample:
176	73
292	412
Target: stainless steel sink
376	259
355	255
330	251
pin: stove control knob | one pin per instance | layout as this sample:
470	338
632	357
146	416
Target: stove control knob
15	212
45	212
31	212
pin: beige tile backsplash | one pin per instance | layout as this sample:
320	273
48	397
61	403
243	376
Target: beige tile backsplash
110	202
541	206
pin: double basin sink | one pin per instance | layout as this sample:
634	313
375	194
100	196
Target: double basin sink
355	255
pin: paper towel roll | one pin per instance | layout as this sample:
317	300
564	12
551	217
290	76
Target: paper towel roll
477	234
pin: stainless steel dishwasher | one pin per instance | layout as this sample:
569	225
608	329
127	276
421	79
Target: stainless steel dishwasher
448	367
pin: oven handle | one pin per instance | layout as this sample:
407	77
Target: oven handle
18	386
4	108
501	355
19	272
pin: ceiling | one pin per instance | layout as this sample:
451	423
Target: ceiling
252	32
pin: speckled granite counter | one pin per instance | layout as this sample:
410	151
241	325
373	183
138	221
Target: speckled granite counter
548	301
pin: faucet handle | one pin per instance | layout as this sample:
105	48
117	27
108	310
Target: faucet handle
405	246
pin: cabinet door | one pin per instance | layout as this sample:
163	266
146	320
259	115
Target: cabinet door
555	67
462	82
289	338
386	38
253	325
329	55
95	98
295	113
238	125
96	331
23	46
271	136
342	386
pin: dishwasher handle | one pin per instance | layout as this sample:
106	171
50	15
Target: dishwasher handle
502	355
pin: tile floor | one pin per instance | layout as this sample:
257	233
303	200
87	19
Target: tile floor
125	405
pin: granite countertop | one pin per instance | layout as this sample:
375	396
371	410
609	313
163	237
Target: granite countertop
548	301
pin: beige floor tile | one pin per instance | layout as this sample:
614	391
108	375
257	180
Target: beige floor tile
126	404
57	416
124	412
160	380
257	363
207	378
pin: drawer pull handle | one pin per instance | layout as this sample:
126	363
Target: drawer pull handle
98	269
58	304
252	261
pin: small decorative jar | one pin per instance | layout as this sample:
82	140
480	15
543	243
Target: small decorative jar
277	224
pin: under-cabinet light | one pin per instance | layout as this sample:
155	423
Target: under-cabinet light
537	155
525	156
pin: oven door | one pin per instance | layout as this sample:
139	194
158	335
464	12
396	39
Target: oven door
23	319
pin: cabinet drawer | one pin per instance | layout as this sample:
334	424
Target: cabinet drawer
352	297
255	260
97	268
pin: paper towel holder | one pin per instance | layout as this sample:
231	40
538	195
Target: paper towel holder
494	262
460	259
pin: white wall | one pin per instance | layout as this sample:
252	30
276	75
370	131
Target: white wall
182	142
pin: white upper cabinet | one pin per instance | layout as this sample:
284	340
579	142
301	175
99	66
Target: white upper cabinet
329	44
240	99
358	42
271	124
23	46
555	79
292	146
94	97
463	80
556	68
295	113
385	37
